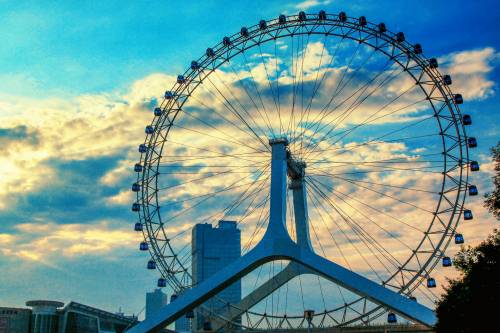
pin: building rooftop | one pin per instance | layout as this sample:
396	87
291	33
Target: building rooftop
40	302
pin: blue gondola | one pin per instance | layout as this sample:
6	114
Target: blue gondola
210	52
417	48
143	148
466	119
391	318
151	264
138	226
474	166
447	80
173	298
138	167
322	15
157	112
136	187
149	129
446	261
431	283
468	214
382	28
190	315
136	207
342	17
207	326
362	21
400	37
169	94
195	65
282	19
244	32
471	142
302	16
473	190
262	25
459	239
143	246
226	41
162	282
458	99
181	79
433	63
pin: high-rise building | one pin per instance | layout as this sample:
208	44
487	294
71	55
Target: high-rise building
212	250
155	301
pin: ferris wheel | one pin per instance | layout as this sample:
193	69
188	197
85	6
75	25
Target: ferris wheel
329	130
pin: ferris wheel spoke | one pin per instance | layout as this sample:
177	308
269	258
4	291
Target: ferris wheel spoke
316	86
318	240
379	211
370	120
259	95
319	211
364	123
239	202
353	227
326	111
415	123
367	120
218	153
343	196
183	158
376	169
336	91
304	52
229	106
207	196
274	95
351	147
360	236
372	245
231	137
392	161
359	100
190	181
406	188
359	227
393	198
248	132
260	112
277	79
239	199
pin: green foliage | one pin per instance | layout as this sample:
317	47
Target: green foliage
471	302
492	201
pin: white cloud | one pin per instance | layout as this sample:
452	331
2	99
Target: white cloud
46	242
304	5
469	71
106	124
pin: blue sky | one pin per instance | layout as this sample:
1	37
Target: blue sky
65	222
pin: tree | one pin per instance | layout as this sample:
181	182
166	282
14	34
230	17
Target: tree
492	201
471	301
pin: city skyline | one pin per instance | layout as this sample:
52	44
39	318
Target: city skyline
70	135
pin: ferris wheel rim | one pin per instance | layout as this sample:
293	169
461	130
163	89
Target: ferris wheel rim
291	22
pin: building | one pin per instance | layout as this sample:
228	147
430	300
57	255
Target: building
212	250
155	301
51	317
14	320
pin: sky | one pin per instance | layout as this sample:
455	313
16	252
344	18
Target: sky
75	80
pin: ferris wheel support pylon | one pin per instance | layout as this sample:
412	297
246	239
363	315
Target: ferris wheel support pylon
278	245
